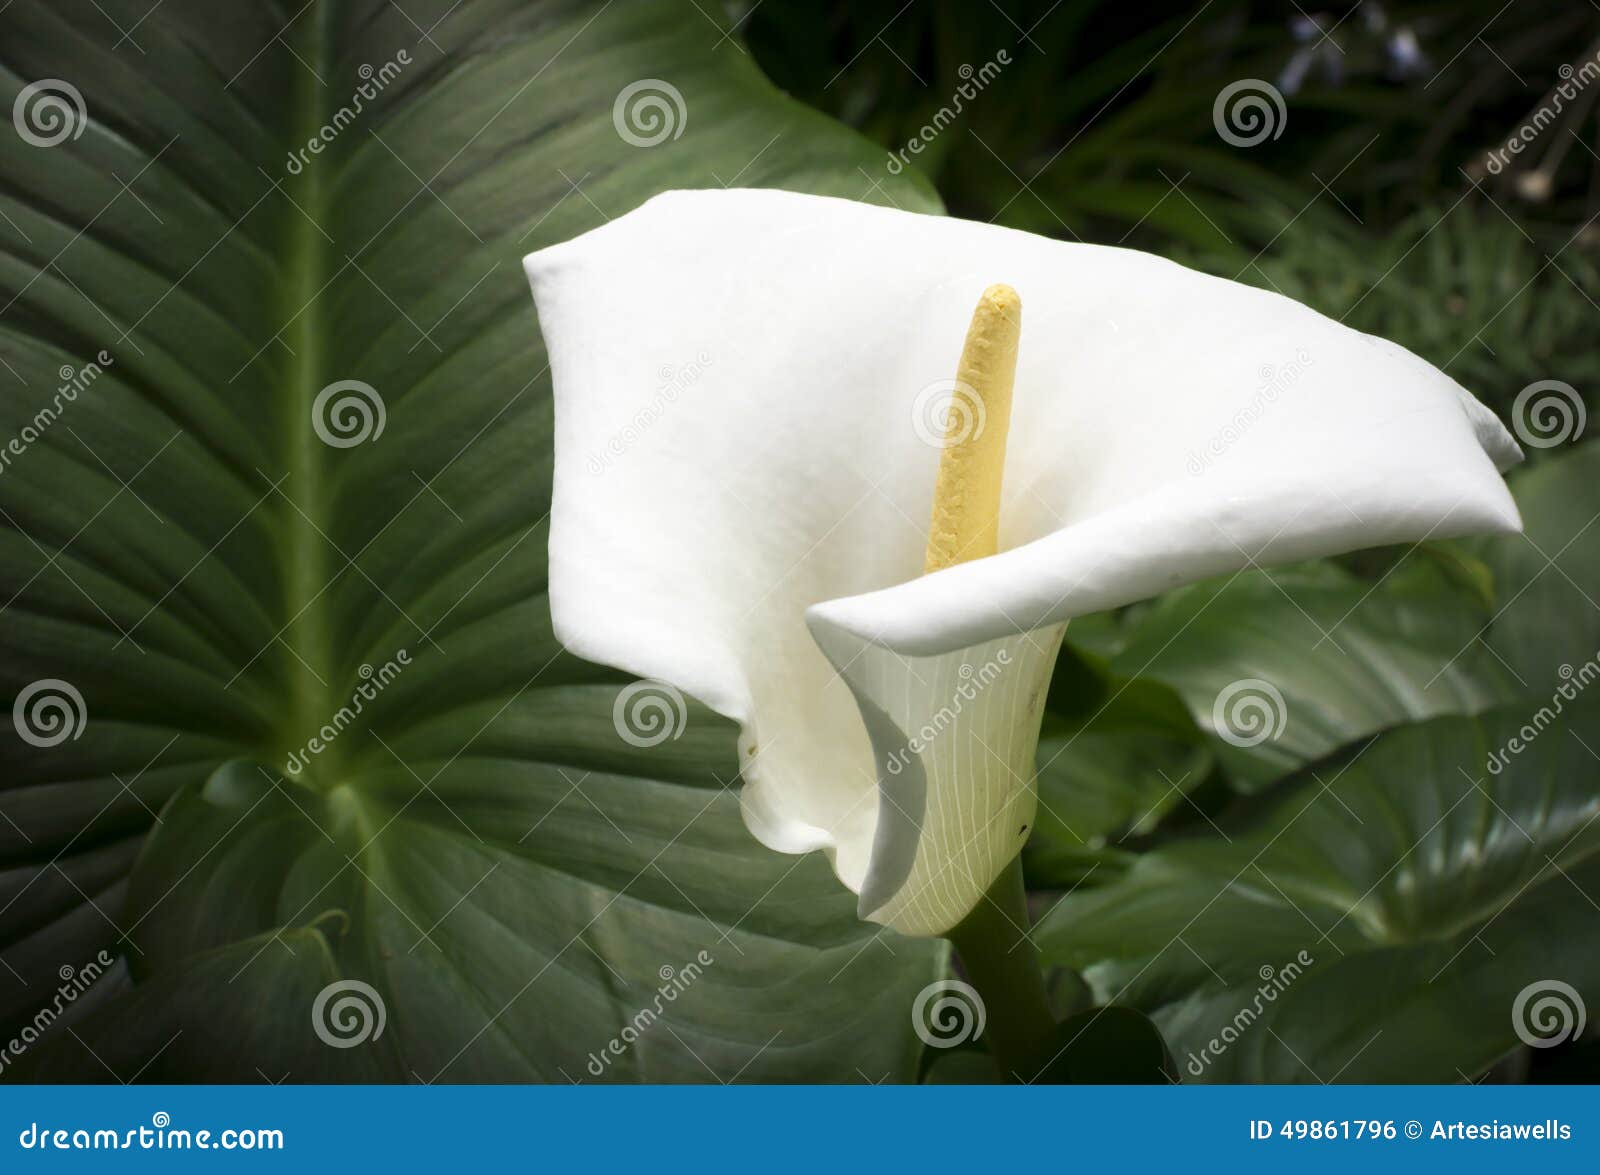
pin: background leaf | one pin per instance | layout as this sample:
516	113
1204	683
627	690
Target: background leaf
1285	665
1550	570
1361	921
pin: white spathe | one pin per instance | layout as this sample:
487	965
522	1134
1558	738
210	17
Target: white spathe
748	388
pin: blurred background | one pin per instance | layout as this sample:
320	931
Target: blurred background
1380	163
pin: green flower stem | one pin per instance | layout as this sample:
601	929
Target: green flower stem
1003	965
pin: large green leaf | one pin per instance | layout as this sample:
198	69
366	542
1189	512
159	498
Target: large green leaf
1283	666
1096	788
1375	918
186	1024
214	558
1116	759
1550	571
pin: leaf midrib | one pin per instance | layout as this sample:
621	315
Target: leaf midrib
306	639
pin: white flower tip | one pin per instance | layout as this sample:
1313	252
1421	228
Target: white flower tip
1495	438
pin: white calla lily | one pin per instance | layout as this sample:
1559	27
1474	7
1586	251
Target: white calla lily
749	392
